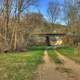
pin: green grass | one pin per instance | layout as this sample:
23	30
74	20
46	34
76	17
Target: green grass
54	57
20	66
67	50
41	48
70	53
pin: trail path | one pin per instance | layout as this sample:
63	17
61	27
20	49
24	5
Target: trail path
47	71
68	63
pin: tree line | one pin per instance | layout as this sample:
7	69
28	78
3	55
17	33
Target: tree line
17	23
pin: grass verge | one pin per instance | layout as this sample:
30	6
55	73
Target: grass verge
20	66
70	53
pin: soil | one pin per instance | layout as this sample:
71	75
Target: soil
69	70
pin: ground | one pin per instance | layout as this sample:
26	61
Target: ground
69	70
40	64
20	66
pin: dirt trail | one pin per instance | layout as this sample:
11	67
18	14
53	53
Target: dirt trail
68	63
46	58
47	71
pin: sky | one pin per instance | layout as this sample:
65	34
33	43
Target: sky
44	4
0	3
42	8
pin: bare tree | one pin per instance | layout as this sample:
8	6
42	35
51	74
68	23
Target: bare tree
12	27
71	11
53	12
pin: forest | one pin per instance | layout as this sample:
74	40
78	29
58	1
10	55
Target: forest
18	23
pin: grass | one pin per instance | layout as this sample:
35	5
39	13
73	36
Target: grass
41	48
54	57
20	66
66	51
69	52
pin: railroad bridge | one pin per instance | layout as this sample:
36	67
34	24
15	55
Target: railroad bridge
47	36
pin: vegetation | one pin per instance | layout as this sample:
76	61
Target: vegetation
18	23
20	66
70	52
54	57
21	22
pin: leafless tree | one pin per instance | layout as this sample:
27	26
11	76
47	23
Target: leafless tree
53	12
71	11
12	27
